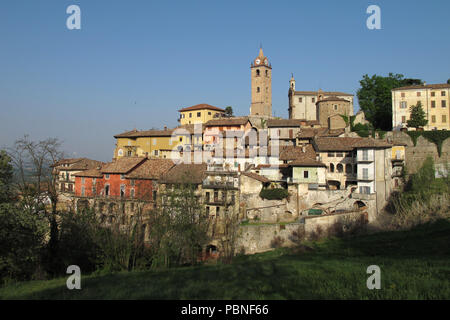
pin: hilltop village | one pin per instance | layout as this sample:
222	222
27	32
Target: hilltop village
285	174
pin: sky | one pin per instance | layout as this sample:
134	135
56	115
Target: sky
134	64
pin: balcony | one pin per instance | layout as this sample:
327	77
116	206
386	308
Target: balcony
219	185
369	177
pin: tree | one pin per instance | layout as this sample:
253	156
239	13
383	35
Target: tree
375	98
178	226
417	118
229	111
6	176
36	181
448	81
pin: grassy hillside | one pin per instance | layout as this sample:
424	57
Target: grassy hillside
414	264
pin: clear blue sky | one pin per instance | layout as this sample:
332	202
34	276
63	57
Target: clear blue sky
133	64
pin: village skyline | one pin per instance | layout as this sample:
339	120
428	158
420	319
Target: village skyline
135	66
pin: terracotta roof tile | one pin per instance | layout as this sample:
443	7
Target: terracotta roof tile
233	121
296	152
185	173
200	107
145	133
284	123
256	177
122	165
426	86
151	169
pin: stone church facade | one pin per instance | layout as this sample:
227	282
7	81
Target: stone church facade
318	105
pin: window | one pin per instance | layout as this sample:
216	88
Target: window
433	119
349	154
300	99
403	105
107	176
107	190
199	114
154	194
132	182
209	113
364	190
217	211
154	141
365	154
403	119
348	168
305	174
257	89
432	94
132	193
365	173
433	104
418	93
403	94
339	154
442	93
331	167
82	180
122	190
444	118
190	114
257	72
207	211
313	100
83	191
444	104
267	73
155	152
340	168
335	107
330	154
122	177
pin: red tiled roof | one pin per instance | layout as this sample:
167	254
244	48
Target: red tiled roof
296	152
122	165
92	173
201	107
185	173
151	169
425	86
255	176
146	133
233	121
285	123
347	143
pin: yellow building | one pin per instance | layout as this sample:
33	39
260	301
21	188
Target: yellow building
200	113
435	102
144	143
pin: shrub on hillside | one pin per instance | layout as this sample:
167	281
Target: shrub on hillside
274	194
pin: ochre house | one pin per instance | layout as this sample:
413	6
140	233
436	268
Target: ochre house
144	143
435	102
200	113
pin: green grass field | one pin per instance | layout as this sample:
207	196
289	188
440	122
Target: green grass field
414	264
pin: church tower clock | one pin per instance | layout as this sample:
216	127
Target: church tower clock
261	74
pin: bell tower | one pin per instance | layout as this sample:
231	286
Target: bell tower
261	74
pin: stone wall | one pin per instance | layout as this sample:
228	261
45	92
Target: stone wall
264	237
416	155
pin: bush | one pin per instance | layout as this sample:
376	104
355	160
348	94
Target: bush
21	241
274	194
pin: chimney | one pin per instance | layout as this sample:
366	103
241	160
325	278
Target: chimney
424	83
165	128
